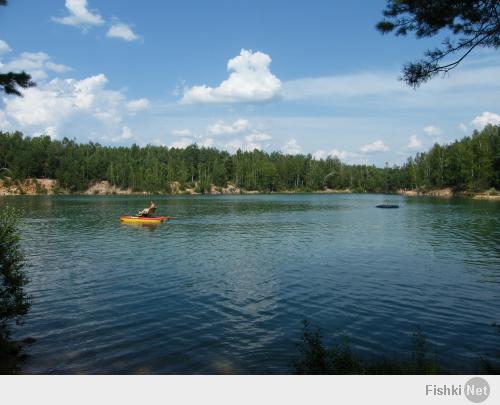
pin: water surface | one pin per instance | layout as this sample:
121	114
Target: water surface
225	286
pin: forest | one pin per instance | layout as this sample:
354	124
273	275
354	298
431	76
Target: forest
468	164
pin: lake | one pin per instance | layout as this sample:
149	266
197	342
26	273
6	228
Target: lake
225	286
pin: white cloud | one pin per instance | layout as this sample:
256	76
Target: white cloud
292	147
344	154
484	119
182	132
79	15
50	131
320	154
34	63
253	141
377	146
140	104
235	144
258	137
59	102
126	133
57	67
220	128
250	81
121	30
4	47
243	136
432	131
415	143
38	75
28	61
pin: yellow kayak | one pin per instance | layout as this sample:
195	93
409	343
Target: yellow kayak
142	220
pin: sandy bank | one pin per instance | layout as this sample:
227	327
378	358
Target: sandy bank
490	195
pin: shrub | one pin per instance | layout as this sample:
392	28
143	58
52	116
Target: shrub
14	302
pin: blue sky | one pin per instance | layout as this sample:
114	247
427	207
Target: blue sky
299	77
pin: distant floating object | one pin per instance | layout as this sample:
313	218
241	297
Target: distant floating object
388	206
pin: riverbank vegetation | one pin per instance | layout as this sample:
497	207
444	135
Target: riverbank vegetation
14	302
316	357
471	164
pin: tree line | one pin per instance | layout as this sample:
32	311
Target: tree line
469	164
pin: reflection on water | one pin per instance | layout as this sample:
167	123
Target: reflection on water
224	287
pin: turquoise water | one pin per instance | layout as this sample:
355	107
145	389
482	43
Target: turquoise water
224	287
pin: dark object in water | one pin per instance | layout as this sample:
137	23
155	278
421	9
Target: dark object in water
388	206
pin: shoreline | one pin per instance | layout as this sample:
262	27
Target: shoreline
34	187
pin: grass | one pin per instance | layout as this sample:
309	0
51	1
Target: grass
316	358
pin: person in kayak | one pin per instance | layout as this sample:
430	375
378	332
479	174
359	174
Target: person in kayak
147	212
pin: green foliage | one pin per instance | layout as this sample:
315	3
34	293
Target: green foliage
10	82
472	163
14	303
473	23
316	358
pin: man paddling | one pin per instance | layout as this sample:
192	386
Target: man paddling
147	212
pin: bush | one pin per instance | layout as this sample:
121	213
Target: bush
315	358
14	302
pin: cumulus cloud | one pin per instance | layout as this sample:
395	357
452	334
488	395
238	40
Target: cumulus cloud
60	103
121	30
320	154
221	128
292	147
126	133
415	143
79	15
4	47
344	154
27	61
254	141
140	104
432	131
250	81
239	144
377	146
241	133
35	63
484	119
